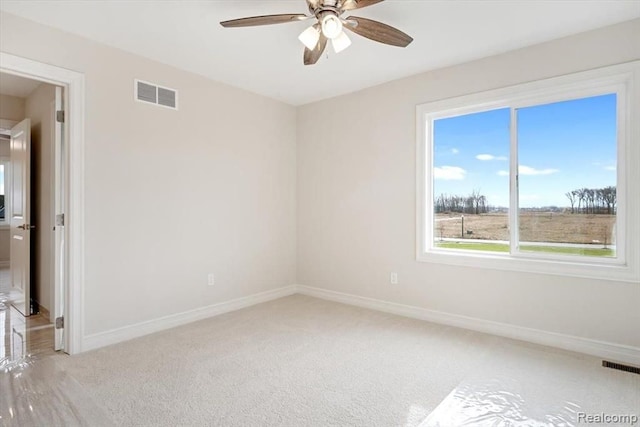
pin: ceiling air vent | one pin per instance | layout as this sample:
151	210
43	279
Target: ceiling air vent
153	94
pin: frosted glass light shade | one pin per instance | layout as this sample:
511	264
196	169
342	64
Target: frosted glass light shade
310	37
341	42
331	26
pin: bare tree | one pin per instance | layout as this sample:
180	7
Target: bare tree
580	193
474	198
609	197
591	197
475	203
593	200
571	195
482	202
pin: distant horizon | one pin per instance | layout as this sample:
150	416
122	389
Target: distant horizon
562	147
491	208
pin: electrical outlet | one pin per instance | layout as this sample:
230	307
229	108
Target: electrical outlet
393	278
211	279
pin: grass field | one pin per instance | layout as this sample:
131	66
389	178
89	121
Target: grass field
499	247
555	228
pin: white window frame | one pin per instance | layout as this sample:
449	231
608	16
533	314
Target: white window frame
624	80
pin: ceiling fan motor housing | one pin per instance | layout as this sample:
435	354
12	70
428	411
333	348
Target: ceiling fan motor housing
328	6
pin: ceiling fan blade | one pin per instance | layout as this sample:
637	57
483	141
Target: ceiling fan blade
313	4
378	31
263	20
358	4
312	56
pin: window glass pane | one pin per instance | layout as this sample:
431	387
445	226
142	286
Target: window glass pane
567	156
471	181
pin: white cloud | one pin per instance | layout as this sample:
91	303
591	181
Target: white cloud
449	173
454	151
526	170
487	157
610	168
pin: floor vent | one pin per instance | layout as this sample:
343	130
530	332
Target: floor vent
151	93
621	367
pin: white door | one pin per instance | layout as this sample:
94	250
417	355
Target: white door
19	215
58	209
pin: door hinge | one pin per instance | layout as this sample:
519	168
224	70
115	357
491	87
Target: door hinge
60	116
60	220
60	322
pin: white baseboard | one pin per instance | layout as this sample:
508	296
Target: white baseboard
114	336
606	350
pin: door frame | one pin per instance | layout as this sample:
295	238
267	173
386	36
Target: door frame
74	267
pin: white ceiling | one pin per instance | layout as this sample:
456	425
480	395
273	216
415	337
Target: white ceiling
268	60
16	85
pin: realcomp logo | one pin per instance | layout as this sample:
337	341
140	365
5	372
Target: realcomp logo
603	418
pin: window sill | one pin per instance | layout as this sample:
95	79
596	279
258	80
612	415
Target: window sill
613	272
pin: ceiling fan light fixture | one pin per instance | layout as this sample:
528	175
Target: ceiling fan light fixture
331	26
310	37
328	25
341	42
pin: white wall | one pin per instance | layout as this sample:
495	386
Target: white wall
39	108
173	195
11	107
5	147
357	197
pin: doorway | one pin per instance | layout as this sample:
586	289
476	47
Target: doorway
31	197
65	227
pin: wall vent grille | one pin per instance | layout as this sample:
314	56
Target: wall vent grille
151	93
621	367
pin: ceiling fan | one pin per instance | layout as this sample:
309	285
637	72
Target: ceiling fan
330	25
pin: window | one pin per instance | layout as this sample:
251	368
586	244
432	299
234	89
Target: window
533	177
567	181
470	190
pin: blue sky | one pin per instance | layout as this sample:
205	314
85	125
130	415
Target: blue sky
562	146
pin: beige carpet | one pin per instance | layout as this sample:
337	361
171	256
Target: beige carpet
300	361
295	361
